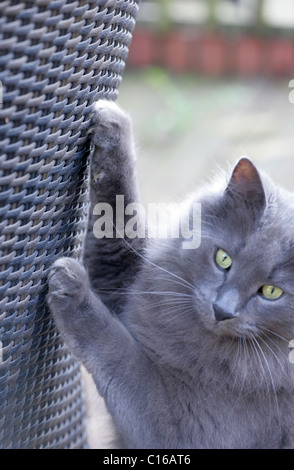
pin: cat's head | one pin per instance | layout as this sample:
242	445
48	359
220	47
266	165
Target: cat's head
234	292
244	268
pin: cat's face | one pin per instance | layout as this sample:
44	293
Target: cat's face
238	285
244	268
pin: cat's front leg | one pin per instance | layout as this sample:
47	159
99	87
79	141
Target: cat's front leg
94	335
112	259
69	300
113	159
121	370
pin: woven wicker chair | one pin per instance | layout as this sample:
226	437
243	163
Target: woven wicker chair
56	58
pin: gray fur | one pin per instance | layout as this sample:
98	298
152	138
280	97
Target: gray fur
172	375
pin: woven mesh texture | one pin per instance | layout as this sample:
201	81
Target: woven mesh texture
56	58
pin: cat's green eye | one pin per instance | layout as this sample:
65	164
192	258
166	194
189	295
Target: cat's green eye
271	292
223	260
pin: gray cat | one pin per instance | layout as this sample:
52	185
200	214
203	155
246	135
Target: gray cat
189	348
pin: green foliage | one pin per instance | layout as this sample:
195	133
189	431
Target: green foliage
175	111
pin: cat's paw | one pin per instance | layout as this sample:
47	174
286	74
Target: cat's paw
113	150
68	285
110	124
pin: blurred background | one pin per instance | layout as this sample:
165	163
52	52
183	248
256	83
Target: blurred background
206	82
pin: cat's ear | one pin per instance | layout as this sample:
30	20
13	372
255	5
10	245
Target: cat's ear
246	182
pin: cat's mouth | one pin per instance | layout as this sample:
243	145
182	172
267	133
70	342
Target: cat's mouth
225	320
235	327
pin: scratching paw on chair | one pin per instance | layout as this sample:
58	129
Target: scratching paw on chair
68	284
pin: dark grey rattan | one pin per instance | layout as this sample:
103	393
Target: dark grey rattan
56	58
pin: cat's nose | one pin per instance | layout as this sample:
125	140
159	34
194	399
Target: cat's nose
223	312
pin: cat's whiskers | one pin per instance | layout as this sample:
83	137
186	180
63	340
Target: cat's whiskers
241	342
254	339
174	311
252	342
274	333
176	302
163	293
246	355
186	283
176	282
140	255
173	305
246	347
270	349
131	291
273	342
